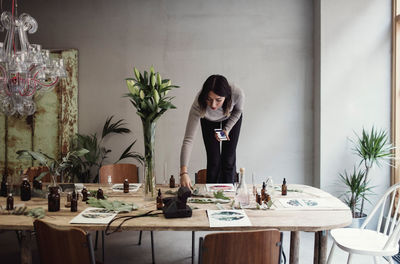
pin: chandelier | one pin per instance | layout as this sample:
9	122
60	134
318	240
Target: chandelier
25	69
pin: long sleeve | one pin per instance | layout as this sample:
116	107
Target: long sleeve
191	129
236	111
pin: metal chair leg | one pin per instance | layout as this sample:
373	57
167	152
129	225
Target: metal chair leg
102	244
95	240
331	253
193	244
140	238
152	247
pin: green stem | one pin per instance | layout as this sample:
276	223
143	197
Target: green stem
149	129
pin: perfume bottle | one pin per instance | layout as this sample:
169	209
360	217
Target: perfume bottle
84	194
242	193
10	202
172	182
159	201
25	190
284	187
126	186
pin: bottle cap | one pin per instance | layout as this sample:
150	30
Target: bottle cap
159	192
284	180
10	194
242	170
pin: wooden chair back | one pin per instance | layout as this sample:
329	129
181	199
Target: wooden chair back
201	176
119	172
241	247
63	245
33	172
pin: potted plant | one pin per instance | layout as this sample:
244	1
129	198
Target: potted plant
56	167
148	94
373	148
98	152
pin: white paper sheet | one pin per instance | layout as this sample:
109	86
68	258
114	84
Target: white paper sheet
310	203
93	215
214	187
222	218
119	187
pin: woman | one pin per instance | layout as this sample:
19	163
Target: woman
218	105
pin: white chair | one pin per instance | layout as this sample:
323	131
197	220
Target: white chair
382	242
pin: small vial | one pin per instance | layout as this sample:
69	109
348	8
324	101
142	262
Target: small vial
10	202
84	194
284	187
159	201
126	186
172	182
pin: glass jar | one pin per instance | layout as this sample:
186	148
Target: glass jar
53	199
242	193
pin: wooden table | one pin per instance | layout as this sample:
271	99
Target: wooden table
293	220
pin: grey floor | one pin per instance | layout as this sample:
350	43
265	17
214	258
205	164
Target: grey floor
170	247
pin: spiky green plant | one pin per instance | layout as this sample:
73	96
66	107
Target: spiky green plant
98	152
357	189
373	148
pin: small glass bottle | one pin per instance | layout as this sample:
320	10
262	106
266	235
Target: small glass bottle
53	199
25	190
10	202
100	194
284	187
172	182
109	181
159	201
242	193
258	198
84	194
126	186
74	202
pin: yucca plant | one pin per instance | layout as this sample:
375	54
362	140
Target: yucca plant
56	167
98	152
148	94
357	189
373	148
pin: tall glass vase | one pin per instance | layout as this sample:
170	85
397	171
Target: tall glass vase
149	129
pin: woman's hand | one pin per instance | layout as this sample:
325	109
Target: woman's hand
185	180
217	138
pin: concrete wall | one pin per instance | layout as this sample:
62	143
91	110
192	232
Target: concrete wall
354	84
264	47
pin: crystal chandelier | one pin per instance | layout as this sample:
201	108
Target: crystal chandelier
25	69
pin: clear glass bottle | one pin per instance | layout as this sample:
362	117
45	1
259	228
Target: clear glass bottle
109	181
242	193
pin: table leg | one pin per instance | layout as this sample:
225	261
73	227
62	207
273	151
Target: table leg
320	247
26	248
294	247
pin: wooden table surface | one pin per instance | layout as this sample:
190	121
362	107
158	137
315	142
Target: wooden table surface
285	219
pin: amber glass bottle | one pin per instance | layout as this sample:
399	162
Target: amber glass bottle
25	190
10	202
126	186
172	182
74	202
84	194
284	187
100	194
53	199
159	201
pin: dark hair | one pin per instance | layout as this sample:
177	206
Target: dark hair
220	86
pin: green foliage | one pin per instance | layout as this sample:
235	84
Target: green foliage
148	94
357	189
97	152
56	167
220	195
373	147
112	206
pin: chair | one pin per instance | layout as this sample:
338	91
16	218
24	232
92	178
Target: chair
119	172
383	241
201	176
241	247
63	245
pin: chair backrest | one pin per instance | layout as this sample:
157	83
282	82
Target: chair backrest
201	176
387	207
241	247
33	172
63	245
119	172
